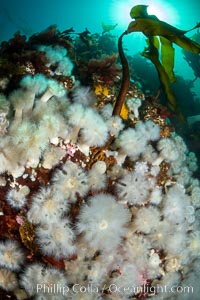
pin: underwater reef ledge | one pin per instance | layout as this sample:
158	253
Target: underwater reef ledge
92	205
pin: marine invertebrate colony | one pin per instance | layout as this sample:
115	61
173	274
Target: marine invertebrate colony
93	206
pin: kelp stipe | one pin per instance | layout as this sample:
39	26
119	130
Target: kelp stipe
125	78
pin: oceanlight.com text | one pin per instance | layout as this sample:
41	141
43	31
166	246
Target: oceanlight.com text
153	290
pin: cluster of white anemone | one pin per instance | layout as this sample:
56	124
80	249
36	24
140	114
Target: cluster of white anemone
130	231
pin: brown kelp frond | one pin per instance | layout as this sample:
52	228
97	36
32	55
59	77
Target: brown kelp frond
139	11
161	36
153	55
152	26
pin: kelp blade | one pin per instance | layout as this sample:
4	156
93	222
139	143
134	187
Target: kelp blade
151	27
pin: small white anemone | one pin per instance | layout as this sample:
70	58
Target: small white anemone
134	188
96	179
11	256
17	198
115	125
132	143
133	104
65	67
70	181
32	86
168	151
48	205
147	219
105	230
56	239
129	281
83	95
175	204
37	280
53	89
53	54
8	280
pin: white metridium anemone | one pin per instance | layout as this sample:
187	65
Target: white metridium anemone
137	248
190	214
134	188
83	95
30	140
132	143
95	131
175	205
71	180
191	161
53	54
184	176
9	158
48	205
195	196
96	176
40	280
182	147
154	171
156	196
19	101
153	266
150	154
160	234
17	198
88	127
54	88
106	111
75	115
4	111
176	242
143	133
193	243
133	104
168	151
96	180
150	129
147	219
140	135
11	256
32	86
51	124
4	160
178	164
102	222
141	167
8	280
115	125
56	239
99	166
52	156
65	67
128	283
154	260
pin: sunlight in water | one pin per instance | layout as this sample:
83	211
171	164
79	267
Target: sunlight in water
120	11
